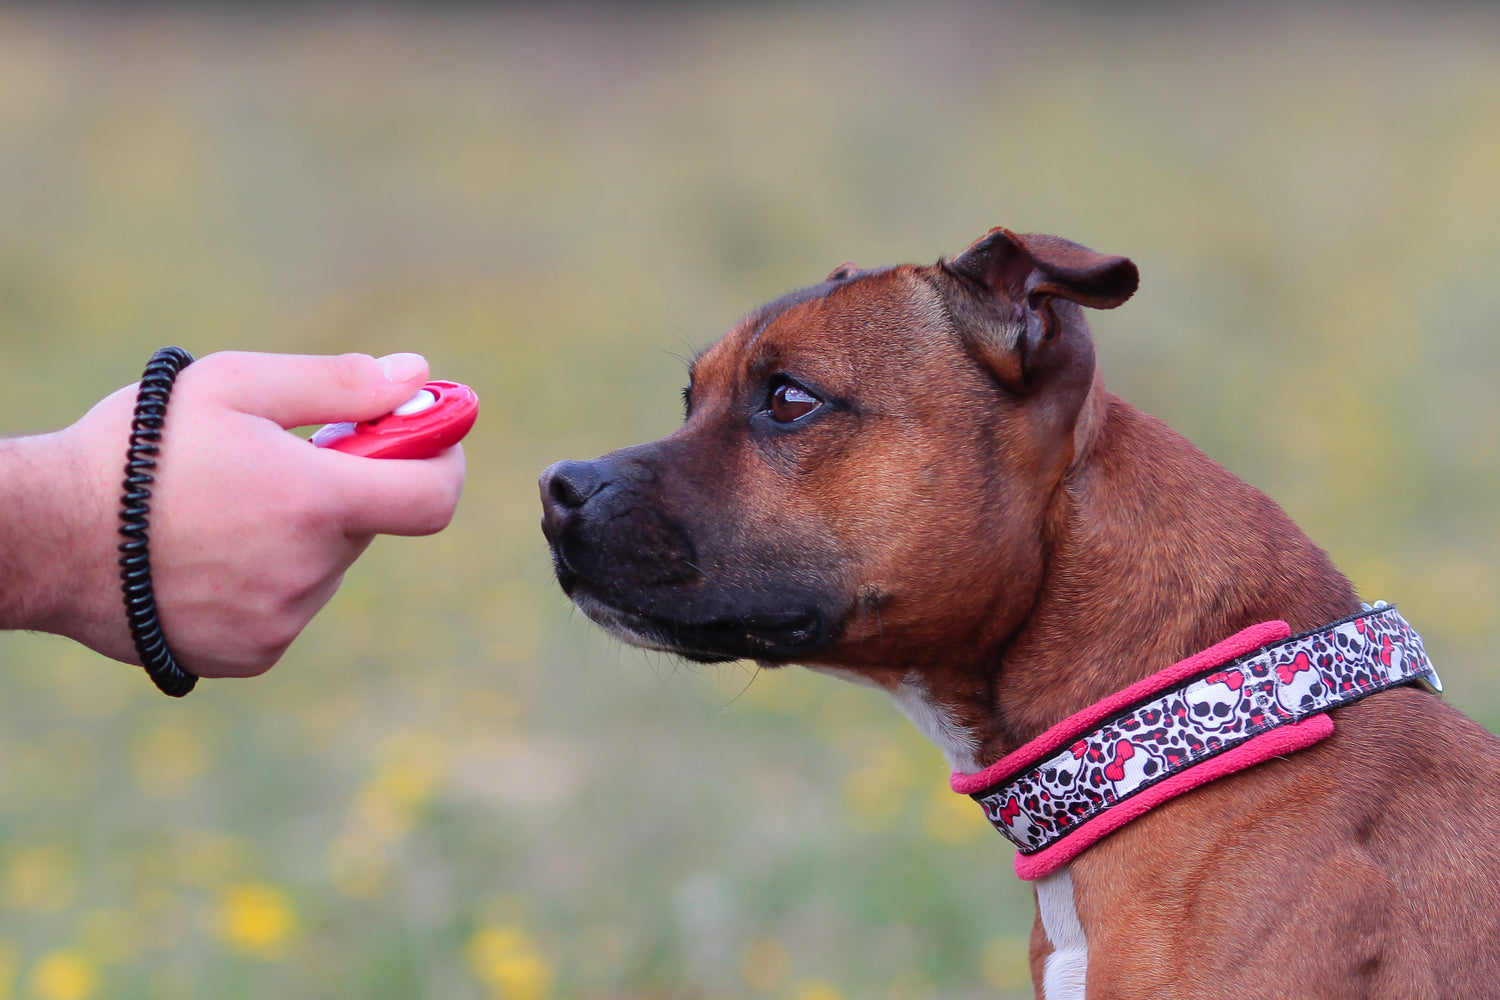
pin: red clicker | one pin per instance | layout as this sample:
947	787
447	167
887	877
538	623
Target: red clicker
429	423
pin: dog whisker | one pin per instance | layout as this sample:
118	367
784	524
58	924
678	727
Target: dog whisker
754	675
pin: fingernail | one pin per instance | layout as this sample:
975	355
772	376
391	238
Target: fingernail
402	367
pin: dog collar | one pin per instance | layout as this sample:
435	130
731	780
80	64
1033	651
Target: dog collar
1259	694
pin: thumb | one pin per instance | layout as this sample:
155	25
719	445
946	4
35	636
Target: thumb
299	389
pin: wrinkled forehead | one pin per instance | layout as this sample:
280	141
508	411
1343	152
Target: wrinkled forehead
873	317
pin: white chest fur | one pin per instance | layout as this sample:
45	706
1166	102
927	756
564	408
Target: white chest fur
957	742
1067	967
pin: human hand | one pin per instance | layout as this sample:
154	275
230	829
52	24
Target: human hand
251	528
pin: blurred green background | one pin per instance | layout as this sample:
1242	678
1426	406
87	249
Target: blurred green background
455	787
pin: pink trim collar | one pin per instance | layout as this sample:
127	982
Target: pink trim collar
1259	694
1068	729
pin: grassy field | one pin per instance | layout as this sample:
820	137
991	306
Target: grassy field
454	787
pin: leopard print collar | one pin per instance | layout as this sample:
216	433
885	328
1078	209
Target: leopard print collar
1258	694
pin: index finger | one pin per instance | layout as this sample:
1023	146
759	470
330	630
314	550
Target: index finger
299	389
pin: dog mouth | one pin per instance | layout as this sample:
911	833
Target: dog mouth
649	581
771	638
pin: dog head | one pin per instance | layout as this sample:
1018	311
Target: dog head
864	471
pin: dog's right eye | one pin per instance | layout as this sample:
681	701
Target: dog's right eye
788	402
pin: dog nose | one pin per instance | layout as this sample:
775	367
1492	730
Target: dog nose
568	485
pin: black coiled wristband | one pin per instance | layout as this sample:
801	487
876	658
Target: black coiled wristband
135	562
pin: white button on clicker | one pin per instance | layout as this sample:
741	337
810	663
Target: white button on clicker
421	401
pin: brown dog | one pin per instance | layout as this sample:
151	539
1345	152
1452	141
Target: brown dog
915	477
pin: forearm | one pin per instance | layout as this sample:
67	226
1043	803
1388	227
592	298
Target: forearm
56	540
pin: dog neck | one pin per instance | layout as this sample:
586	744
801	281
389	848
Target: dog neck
1153	551
1258	694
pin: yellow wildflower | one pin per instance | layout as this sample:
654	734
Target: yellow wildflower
64	975
256	919
505	960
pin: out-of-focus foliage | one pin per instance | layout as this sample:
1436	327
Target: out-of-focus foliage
453	786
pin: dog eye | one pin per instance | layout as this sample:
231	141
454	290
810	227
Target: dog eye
788	402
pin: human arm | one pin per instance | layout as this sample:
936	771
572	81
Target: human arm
251	528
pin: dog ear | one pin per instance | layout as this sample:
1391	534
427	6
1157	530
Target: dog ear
1027	273
843	272
1029	268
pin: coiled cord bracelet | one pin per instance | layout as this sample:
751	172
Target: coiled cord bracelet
135	561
